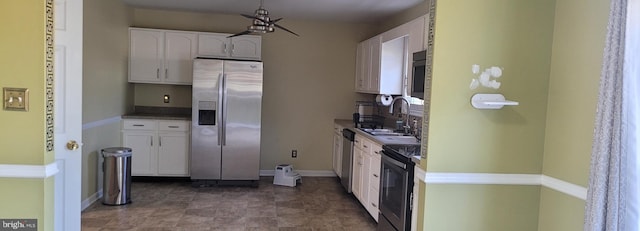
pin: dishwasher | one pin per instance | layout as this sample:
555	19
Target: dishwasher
347	158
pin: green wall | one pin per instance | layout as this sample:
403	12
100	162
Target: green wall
23	140
106	91
481	207
576	61
517	36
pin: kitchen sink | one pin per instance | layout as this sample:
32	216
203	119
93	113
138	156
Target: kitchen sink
402	139
381	132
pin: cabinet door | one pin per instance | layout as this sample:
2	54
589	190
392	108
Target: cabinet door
356	182
372	206
360	60
337	154
213	45
375	45
364	178
143	152
374	169
246	47
173	154
146	55
416	35
180	49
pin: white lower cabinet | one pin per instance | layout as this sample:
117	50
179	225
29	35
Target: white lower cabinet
159	147
366	174
337	149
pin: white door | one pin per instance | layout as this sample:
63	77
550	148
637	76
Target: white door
68	113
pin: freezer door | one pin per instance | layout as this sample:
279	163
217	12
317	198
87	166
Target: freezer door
241	120
206	141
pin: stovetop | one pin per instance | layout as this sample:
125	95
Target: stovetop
405	150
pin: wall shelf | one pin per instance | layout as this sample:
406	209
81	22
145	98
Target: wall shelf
491	101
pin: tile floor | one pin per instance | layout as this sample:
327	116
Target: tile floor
319	203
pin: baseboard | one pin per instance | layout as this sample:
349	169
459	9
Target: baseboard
92	199
308	173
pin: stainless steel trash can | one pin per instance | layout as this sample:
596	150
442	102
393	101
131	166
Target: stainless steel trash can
117	176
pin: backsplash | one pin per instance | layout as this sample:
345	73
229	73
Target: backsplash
153	95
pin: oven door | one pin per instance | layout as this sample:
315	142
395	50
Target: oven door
394	185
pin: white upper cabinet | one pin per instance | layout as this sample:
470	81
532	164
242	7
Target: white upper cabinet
382	62
416	34
180	49
217	45
246	47
156	56
166	56
146	55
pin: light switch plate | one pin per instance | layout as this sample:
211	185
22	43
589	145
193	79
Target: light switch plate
15	99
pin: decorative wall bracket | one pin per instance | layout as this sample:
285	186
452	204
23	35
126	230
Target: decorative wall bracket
490	101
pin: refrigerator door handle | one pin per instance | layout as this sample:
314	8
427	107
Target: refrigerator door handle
220	108
224	110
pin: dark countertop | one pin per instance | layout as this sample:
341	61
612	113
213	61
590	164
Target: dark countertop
382	140
151	116
159	113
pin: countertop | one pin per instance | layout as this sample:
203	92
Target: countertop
382	140
153	116
159	113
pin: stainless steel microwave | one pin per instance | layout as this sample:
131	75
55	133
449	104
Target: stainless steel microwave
418	74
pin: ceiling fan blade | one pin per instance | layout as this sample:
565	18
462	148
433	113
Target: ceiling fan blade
248	16
281	27
238	34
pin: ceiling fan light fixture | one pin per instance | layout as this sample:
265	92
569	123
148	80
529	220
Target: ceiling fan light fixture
262	23
260	29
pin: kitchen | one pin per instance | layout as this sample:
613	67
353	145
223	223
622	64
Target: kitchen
321	77
327	71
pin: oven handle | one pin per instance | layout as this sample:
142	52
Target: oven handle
394	162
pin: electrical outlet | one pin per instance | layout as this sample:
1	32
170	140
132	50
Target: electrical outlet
166	98
294	153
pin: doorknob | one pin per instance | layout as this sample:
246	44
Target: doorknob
72	145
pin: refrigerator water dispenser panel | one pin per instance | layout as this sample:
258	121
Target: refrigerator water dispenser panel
207	112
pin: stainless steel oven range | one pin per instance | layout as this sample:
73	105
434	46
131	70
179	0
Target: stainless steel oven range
396	187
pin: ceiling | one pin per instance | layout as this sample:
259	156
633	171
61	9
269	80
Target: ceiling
363	11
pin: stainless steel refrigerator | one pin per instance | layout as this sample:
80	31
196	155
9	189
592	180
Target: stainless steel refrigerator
226	113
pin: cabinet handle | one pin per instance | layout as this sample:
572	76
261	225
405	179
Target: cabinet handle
166	75
158	73
374	205
160	141
357	141
224	50
173	126
376	152
151	138
365	146
138	125
233	48
374	175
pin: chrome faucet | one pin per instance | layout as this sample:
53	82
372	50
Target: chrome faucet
406	126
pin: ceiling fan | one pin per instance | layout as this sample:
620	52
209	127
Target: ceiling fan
262	23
